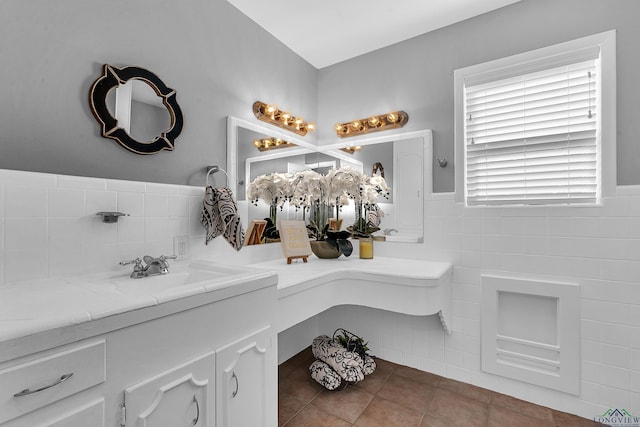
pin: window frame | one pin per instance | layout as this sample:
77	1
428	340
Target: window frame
547	57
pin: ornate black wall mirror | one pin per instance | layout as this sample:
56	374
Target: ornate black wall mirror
112	98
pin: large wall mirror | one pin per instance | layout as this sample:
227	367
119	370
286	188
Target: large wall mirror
403	157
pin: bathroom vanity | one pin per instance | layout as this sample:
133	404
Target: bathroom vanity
197	346
88	352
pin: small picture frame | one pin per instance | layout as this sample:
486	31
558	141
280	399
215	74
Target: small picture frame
254	232
294	240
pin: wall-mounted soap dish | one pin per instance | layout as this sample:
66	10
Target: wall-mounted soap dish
111	217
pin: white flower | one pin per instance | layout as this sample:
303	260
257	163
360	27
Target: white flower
343	184
380	185
308	187
273	189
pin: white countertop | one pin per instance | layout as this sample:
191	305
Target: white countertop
292	277
28	310
415	287
47	313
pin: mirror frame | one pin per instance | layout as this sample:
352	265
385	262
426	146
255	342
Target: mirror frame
334	149
232	147
111	78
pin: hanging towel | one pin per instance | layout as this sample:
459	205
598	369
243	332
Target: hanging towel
220	216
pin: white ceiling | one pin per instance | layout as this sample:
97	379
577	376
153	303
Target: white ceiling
326	32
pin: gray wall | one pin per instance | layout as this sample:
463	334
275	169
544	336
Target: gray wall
220	62
417	75
217	59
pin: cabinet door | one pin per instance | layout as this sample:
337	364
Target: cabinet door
181	396
408	183
246	382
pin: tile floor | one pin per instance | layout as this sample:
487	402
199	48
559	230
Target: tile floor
395	395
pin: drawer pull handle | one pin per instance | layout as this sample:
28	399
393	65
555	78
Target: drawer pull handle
60	380
235	392
195	420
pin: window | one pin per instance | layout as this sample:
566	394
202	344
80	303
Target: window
529	128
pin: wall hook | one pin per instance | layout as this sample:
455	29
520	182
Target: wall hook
442	163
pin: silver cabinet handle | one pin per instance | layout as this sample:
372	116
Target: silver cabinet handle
235	393
195	420
28	391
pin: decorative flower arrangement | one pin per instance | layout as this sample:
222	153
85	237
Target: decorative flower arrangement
368	213
321	195
273	189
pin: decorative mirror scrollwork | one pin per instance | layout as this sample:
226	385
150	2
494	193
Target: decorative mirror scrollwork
113	77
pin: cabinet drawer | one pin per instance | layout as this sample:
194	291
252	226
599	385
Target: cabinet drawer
34	384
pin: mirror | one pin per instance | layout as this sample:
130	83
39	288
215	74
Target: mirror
136	109
400	155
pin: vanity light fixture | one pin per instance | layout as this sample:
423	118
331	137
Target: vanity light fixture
266	144
352	149
380	122
271	114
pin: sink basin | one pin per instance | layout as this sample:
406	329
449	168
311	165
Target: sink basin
186	279
163	282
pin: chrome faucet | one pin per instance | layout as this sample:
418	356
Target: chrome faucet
388	231
153	267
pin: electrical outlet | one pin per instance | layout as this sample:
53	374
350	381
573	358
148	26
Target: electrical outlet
181	247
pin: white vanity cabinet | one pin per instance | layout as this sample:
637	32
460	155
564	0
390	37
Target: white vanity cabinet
242	376
152	366
166	371
182	396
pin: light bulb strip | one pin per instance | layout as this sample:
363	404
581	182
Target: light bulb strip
392	120
266	144
352	149
271	114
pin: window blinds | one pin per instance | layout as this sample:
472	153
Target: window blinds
533	138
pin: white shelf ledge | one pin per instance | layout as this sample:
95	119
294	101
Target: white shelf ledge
413	287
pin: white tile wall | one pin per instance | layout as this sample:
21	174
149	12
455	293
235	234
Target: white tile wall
49	226
598	247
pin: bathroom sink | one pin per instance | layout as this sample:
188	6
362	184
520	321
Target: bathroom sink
185	279
164	282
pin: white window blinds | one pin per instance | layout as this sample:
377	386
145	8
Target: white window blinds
533	138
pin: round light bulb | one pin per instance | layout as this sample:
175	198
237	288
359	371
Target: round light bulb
392	117
270	108
311	126
374	121
257	143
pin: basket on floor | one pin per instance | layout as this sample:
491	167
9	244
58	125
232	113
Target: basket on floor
341	360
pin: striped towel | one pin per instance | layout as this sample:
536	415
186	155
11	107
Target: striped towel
220	216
